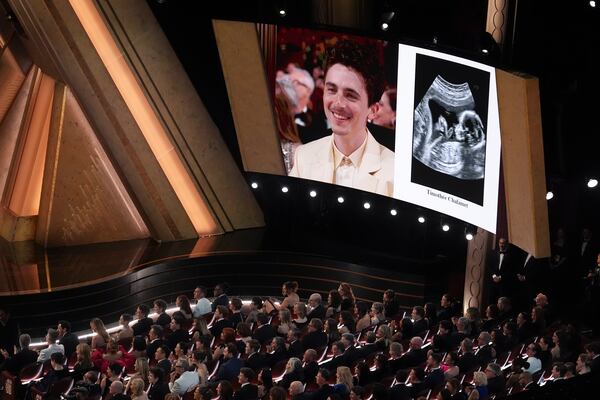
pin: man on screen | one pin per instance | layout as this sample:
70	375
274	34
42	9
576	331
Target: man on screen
350	156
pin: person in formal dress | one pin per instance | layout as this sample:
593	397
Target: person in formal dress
350	156
160	309
315	307
502	271
13	363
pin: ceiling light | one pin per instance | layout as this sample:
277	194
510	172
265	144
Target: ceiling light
549	195
284	189
393	212
367	205
592	183
340	199
421	220
254	185
445	227
313	193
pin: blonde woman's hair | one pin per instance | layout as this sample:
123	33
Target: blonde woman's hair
285	316
100	329
480	379
344	376
136	387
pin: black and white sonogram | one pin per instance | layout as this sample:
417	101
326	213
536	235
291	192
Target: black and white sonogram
449	135
449	127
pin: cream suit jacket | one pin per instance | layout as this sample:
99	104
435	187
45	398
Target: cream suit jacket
375	173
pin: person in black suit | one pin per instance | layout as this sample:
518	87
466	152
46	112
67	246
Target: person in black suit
446	310
485	353
276	351
395	362
67	338
434	378
293	372
414	356
495	378
235	308
593	350
254	358
467	361
294	345
220	293
143	324
420	325
264	333
315	338
296	391
391	307
337	359
160	308
21	358
154	341
502	271
310	366
9	332
324	390
161	355
462	326
178	334
399	391
158	388
248	390
230	368
351	353
316	309
220	321
442	340
116	391
55	374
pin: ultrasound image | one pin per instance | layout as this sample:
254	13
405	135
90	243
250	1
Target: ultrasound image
448	134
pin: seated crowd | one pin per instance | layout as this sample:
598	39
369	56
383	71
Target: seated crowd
319	350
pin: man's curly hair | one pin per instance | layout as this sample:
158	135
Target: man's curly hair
362	59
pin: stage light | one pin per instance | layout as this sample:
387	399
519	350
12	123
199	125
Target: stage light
445	227
470	232
592	183
485	51
592	4
367	205
340	199
549	195
282	12
421	220
284	189
386	19
313	193
254	185
393	212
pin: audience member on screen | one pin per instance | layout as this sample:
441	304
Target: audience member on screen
350	156
385	115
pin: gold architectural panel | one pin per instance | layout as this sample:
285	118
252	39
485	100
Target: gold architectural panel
249	97
523	162
83	199
9	129
28	163
11	79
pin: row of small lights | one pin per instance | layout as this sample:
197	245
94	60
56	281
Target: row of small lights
591	183
366	206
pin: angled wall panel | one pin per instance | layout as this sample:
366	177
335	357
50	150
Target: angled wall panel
83	198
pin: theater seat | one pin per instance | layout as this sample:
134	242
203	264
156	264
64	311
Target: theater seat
31	372
56	390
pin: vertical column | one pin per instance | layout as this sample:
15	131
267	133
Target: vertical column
497	20
475	275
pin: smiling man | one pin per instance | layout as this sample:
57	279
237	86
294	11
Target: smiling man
350	156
